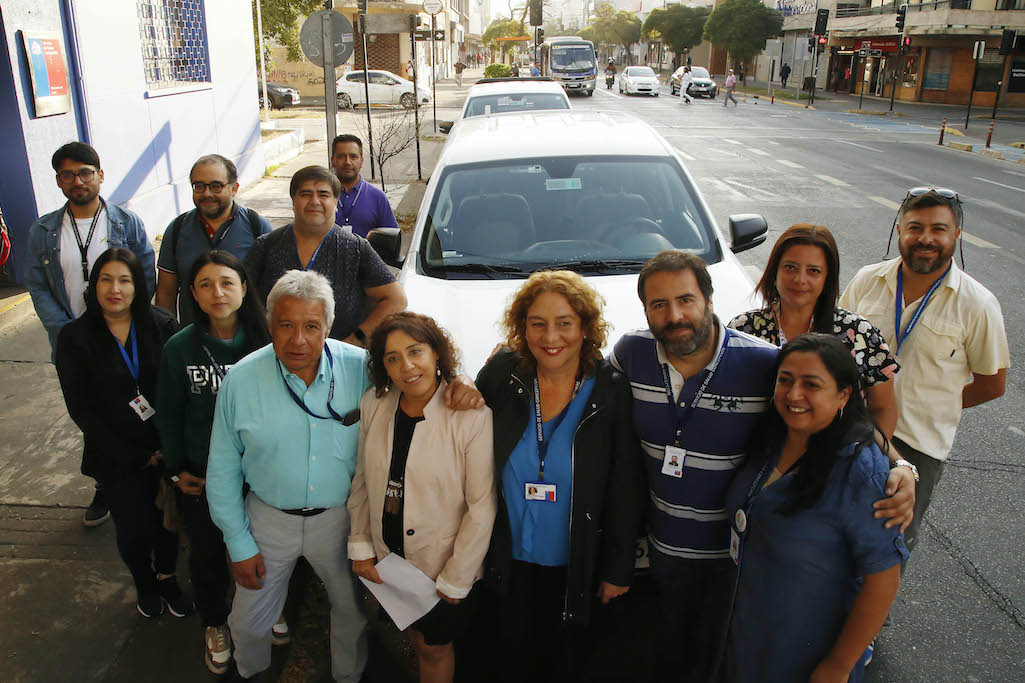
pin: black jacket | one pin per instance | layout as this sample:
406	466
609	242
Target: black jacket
98	387
608	480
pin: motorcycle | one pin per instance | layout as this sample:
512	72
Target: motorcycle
609	80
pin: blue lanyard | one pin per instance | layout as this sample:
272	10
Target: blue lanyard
921	307
133	362
330	391
680	417
316	251
348	214
542	442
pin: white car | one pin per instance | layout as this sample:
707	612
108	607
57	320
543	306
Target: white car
640	80
517	193
385	88
512	95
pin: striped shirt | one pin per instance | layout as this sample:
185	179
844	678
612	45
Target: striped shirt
687	516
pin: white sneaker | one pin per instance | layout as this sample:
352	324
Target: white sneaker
279	633
218	649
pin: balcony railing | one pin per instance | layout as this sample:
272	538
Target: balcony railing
891	7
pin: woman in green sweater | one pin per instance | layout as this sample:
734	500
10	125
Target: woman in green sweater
229	323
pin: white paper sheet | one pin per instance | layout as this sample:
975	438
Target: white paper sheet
406	594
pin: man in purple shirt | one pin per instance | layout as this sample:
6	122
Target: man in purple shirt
362	206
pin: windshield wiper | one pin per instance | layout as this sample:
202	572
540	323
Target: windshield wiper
485	268
596	265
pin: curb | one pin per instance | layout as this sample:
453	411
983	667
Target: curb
953	131
993	154
960	145
1019	145
283	148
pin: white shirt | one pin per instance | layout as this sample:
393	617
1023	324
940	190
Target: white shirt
960	332
71	257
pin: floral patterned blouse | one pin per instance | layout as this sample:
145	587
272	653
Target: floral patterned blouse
865	340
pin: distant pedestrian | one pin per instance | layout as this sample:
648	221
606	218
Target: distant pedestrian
515	70
459	66
731	85
217	222
534	71
685	81
409	70
361	206
784	74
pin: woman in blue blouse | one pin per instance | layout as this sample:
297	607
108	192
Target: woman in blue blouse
817	571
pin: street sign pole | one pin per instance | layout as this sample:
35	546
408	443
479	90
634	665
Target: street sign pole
861	96
975	74
434	73
263	65
326	39
416	90
330	97
1000	84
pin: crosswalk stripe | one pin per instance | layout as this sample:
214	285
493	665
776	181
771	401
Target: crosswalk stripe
885	202
732	142
791	164
832	181
685	155
761	152
977	241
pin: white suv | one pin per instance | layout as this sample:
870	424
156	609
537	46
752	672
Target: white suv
517	193
510	96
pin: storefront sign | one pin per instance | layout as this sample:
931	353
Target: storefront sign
44	52
794	7
1016	79
884	44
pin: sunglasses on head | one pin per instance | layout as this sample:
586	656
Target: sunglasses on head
941	191
918	192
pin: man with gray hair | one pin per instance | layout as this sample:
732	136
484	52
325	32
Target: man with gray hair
217	222
292	409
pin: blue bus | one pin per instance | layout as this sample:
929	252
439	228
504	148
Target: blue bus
570	60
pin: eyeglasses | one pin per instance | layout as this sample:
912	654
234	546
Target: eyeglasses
215	187
85	175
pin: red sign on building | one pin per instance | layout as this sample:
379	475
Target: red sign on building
884	44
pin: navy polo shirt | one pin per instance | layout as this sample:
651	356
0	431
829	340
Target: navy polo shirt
364	208
235	236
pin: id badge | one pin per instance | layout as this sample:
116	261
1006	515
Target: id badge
142	407
538	490
735	544
672	463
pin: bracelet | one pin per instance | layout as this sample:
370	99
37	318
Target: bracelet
908	464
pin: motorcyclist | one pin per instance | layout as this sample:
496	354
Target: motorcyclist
610	74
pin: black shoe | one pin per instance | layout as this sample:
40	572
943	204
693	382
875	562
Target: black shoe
97	513
150	606
177	602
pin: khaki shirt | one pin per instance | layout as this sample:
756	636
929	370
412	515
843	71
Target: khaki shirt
960	332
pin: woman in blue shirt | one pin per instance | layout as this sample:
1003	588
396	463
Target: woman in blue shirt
571	487
817	571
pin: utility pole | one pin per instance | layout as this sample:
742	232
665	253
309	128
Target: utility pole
263	65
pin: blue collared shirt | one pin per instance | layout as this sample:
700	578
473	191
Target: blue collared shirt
364	208
289	458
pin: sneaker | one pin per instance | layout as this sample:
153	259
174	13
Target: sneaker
869	651
97	513
218	649
177	602
279	634
150	606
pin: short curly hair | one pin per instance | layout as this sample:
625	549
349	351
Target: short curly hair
585	301
421	328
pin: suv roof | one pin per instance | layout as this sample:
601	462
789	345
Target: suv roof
514	79
557	132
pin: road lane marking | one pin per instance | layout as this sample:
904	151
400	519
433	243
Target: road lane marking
1016	189
791	164
854	144
770	142
732	142
832	181
885	202
977	241
762	152
1014	173
685	155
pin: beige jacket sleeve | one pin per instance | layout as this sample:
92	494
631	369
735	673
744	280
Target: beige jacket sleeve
361	545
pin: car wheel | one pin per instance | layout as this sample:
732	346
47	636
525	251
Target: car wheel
344	101
673	91
407	100
654	94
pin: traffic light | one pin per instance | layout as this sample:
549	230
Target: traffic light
811	43
821	19
539	35
535	13
905	45
1007	41
902	13
822	43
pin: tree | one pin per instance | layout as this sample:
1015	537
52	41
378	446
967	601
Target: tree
611	27
743	26
679	28
502	28
281	24
395	132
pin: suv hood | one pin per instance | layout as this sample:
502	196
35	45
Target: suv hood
702	81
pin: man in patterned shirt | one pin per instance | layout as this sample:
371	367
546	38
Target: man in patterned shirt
365	290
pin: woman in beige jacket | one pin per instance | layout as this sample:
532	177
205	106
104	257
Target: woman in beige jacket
424	484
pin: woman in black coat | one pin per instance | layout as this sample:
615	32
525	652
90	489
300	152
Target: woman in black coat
570	482
107	362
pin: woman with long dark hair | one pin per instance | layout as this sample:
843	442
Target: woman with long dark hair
817	571
229	323
107	362
799	289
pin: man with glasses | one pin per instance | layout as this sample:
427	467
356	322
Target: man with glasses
64	244
944	327
217	222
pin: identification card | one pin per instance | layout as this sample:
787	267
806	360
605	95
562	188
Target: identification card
672	463
142	407
735	546
538	490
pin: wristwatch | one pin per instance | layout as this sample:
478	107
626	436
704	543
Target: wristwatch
360	335
909	464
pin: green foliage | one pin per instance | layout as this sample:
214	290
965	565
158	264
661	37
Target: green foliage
281	25
743	26
502	28
497	70
679	28
611	27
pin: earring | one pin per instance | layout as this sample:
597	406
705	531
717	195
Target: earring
438	372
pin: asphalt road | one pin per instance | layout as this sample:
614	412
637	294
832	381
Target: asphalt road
959	615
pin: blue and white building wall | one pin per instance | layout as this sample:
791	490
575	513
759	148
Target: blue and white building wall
154	84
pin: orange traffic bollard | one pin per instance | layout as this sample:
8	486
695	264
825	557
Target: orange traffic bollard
772	91
943	129
990	136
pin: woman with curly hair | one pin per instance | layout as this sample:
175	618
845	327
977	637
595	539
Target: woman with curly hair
570	483
424	486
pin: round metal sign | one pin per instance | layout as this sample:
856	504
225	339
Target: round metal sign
433	7
311	37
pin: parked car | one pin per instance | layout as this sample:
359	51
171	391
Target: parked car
639	80
701	83
385	88
280	96
504	96
515	193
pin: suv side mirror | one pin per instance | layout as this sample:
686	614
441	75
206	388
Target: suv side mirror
747	230
387	242
445	126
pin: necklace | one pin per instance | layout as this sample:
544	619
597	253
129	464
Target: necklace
777	313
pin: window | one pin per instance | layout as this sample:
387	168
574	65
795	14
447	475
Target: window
174	48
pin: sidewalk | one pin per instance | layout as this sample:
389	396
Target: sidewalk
68	612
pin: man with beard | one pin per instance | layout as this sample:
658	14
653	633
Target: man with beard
945	329
63	246
217	222
361	206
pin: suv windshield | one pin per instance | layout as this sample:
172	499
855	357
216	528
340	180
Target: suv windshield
497	104
572	57
587	213
699	72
